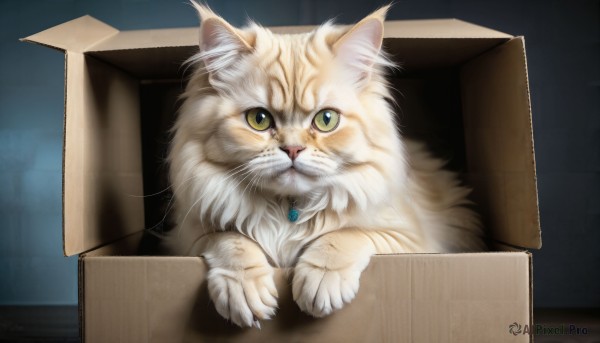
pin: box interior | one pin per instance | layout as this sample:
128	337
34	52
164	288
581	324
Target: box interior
428	92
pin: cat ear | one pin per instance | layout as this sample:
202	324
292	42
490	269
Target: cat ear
221	44
359	48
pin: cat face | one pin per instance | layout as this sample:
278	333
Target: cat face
293	114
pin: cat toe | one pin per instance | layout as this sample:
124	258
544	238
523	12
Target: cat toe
242	299
319	292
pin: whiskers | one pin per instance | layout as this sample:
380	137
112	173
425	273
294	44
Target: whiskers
249	178
255	181
150	195
170	204
242	170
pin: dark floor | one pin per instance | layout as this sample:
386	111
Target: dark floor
47	324
53	324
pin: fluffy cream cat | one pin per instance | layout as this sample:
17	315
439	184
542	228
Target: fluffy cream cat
286	154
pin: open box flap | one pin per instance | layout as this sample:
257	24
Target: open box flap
75	35
499	143
144	39
102	167
102	172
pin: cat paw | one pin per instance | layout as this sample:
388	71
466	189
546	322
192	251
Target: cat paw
243	296
319	291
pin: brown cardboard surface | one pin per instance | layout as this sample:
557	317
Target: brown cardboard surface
126	246
403	298
415	54
76	35
159	63
499	143
102	158
143	39
439	28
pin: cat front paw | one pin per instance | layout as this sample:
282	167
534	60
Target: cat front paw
243	296
319	291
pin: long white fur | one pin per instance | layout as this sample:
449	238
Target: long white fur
403	202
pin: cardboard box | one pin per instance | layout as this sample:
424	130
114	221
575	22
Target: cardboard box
462	86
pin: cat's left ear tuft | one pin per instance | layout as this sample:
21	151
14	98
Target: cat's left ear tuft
221	43
360	47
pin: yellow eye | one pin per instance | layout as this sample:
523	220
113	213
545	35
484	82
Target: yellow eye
326	120
259	119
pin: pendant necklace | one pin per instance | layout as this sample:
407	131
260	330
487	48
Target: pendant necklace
293	213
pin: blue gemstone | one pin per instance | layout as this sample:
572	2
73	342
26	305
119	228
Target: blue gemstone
293	214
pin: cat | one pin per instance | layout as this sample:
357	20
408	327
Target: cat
286	153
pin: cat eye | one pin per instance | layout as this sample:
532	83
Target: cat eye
326	120
259	119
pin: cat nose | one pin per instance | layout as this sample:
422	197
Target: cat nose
292	151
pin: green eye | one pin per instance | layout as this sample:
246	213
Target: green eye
326	120
259	119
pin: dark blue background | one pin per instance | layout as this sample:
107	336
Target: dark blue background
563	47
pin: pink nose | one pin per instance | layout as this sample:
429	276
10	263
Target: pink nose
292	151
